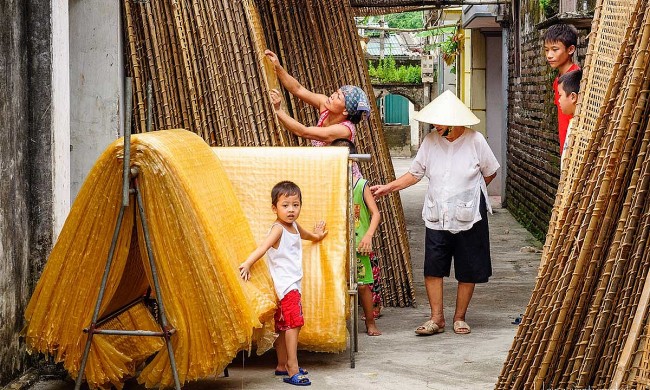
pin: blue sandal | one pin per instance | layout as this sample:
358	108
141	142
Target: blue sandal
297	380
301	371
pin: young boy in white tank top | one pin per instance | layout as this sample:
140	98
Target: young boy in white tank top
283	246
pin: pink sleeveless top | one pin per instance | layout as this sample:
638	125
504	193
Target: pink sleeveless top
353	130
348	124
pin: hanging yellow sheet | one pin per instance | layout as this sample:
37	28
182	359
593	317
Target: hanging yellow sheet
321	174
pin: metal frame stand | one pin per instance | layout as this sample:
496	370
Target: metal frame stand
353	290
129	187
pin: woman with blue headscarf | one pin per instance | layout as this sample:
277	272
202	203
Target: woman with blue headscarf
339	112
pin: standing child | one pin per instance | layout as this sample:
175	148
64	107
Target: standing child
568	88
366	220
284	248
560	41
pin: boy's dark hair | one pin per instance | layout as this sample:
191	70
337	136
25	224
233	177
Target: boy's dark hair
286	188
356	117
570	81
345	142
562	32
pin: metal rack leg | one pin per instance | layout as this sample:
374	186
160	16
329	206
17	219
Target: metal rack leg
156	283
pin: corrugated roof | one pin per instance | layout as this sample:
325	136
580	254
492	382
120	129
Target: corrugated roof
394	45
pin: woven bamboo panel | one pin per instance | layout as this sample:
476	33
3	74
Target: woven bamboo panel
204	63
610	30
589	306
638	377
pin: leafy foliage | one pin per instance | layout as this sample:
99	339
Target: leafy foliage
387	71
405	20
437	31
449	44
549	7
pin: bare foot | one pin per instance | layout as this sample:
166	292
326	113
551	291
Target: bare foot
372	330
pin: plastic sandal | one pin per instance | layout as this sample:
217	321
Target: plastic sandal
301	371
297	380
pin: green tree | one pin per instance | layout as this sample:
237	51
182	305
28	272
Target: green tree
405	20
401	20
387	71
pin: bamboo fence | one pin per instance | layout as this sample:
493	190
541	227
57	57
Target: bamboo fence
585	319
203	63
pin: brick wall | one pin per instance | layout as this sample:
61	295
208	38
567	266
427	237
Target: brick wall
533	148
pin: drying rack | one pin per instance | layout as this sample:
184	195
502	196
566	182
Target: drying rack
130	188
353	291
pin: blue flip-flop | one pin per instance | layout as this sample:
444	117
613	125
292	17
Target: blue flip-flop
301	371
297	380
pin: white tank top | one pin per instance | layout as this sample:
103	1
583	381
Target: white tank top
285	263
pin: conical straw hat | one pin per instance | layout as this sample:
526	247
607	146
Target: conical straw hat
447	110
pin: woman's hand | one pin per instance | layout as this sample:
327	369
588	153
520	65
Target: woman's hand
380	190
365	245
276	99
272	57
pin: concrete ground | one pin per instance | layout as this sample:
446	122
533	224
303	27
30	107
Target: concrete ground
399	359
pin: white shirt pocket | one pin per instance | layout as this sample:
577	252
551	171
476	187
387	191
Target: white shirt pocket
430	211
465	211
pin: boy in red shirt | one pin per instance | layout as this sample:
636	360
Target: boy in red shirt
560	42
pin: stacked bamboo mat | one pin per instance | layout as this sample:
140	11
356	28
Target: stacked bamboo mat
200	234
587	320
204	64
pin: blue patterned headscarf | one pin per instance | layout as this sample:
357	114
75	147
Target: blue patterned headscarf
355	99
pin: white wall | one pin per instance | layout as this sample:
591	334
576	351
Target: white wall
495	126
415	128
60	115
96	83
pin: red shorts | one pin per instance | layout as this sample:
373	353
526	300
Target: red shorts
289	314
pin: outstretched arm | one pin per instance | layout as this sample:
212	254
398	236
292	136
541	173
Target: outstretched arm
318	234
271	239
326	134
365	245
404	181
292	85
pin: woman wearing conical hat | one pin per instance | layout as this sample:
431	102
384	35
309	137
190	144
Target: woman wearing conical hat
459	165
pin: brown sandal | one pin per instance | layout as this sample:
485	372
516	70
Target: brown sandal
428	328
461	327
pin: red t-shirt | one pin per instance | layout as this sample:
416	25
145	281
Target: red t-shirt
562	120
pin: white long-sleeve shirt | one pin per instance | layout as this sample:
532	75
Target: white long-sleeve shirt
456	172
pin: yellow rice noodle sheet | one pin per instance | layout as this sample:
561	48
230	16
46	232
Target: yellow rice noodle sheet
199	236
321	174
